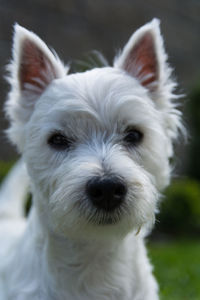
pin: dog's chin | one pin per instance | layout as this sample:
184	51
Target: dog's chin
107	225
99	225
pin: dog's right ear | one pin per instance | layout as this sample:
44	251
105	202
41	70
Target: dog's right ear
32	69
33	66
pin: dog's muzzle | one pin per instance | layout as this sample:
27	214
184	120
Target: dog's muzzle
107	192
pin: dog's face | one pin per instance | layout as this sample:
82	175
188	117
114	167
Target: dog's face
97	144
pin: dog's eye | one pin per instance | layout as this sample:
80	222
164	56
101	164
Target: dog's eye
133	137
59	141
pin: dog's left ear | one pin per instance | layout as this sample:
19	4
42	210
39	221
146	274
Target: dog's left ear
144	58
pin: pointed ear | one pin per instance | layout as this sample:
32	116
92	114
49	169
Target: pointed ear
144	57
34	66
32	69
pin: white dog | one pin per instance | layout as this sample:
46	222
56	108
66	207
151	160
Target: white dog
96	146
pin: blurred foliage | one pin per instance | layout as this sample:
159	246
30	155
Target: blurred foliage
180	210
91	60
193	113
28	204
5	166
176	267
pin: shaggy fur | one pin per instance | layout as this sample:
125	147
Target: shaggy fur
67	248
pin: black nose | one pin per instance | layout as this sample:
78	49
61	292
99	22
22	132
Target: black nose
106	193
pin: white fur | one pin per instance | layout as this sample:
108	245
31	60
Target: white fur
61	251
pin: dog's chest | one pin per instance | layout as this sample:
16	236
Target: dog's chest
98	277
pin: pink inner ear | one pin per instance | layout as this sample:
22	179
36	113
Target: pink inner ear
141	61
35	68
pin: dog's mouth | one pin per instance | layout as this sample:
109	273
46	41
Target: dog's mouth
99	217
102	219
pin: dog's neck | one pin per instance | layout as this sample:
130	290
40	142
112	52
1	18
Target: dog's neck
73	265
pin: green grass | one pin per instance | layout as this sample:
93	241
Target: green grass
5	166
177	269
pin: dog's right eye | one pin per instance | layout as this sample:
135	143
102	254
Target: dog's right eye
59	141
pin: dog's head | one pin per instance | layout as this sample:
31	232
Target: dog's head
97	144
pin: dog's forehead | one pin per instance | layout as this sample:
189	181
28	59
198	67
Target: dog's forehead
108	94
96	86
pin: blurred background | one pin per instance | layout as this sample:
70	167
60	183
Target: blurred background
75	27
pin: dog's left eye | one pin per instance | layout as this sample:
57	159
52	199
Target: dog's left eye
133	137
59	141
